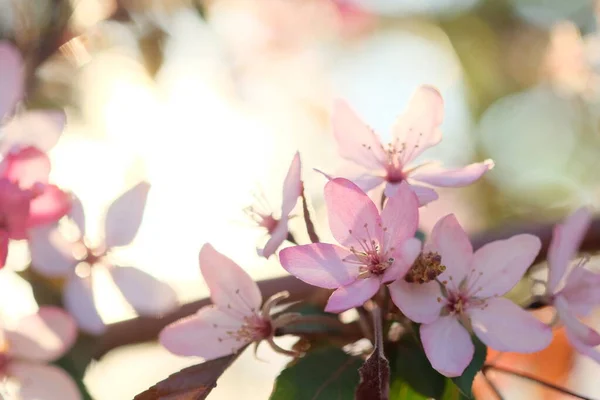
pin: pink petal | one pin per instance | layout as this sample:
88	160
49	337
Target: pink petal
458	177
4	240
78	300
368	182
26	166
582	348
50	206
447	345
576	329
352	295
356	141
504	326
566	239
404	258
124	216
204	334
499	266
40	381
451	242
292	187
418	127
277	238
11	79
14	206
44	336
353	217
77	214
320	264
146	294
400	216
51	254
581	291
39	128
424	194
419	302
230	286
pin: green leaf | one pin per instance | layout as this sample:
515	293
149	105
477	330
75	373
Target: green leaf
465	381
413	367
308	309
400	390
420	235
452	392
324	374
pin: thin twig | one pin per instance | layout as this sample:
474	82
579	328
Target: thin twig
310	227
365	325
531	378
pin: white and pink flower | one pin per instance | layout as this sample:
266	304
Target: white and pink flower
466	297
375	249
233	321
415	131
266	217
53	254
576	292
26	350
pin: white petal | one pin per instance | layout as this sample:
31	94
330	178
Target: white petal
124	216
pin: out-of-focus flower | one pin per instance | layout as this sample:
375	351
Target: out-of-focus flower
415	131
235	319
375	249
54	254
39	128
415	7
264	215
466	297
26	350
573	293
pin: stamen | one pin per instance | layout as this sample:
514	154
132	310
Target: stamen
426	268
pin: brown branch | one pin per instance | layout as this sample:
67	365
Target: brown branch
143	329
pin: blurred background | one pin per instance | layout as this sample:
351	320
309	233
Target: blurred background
209	100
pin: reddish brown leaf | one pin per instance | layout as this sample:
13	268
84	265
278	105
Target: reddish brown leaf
375	372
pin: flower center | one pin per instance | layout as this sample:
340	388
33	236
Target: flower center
426	268
371	257
254	329
456	303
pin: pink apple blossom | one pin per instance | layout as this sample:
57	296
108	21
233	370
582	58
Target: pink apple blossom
576	292
54	254
39	128
26	350
466	297
375	249
415	131
234	320
264	215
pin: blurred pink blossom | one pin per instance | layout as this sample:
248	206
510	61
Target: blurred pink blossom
53	254
576	292
467	297
375	249
415	131
264	215
234	320
26	350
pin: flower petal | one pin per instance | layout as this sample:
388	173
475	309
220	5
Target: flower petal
353	217
14	205
356	141
78	299
404	258
368	182
40	381
582	347
424	194
576	329
26	166
292	187
230	286
277	237
11	79
581	291
451	242
419	302
39	128
204	334
417	129
566	239
352	295
457	177
320	264
499	266
146	294
44	336
51	254
504	326
77	214
4	240
447	345
49	206
400	216
124	216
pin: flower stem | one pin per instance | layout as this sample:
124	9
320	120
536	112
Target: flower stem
531	378
310	227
